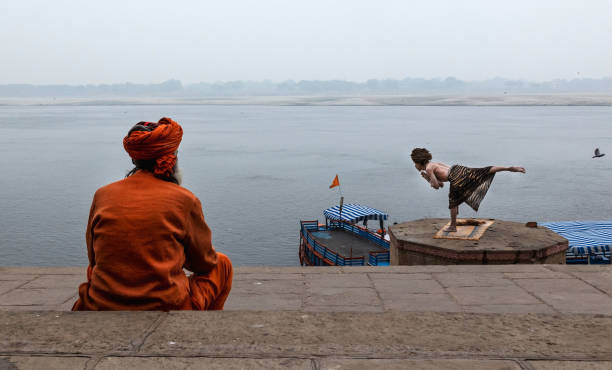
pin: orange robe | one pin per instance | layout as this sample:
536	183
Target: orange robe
141	233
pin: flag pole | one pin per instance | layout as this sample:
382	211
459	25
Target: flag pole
341	201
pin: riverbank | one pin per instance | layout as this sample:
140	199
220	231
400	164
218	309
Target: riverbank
424	317
499	99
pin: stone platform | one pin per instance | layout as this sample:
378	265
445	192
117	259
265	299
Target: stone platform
421	317
504	242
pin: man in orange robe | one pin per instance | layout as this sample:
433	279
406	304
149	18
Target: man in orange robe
143	230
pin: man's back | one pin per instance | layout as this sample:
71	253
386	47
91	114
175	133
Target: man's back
138	232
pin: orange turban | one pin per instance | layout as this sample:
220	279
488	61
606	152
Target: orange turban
159	144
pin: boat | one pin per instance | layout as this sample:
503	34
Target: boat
341	241
589	242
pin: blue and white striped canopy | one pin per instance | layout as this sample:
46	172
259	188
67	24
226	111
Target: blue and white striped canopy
354	213
584	236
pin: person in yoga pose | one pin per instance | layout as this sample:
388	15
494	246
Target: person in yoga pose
469	185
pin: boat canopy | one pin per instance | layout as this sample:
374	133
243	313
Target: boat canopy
354	213
584	236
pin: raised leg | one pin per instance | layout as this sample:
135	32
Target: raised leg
495	169
453	226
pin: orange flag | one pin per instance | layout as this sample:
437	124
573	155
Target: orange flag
335	183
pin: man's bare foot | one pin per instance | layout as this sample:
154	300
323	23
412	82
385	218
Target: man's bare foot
451	229
517	169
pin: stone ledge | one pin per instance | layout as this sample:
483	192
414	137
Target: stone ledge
399	335
453	288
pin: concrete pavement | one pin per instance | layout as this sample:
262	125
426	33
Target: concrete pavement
423	317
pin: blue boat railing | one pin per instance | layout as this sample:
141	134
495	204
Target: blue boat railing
360	231
378	258
321	251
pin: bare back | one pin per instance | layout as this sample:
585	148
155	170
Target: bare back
440	170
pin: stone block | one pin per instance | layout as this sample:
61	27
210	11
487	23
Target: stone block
509	308
420	303
538	275
390	288
570	302
263	302
342	309
491	295
561	286
181	363
342	297
267	276
425	364
8	285
56	281
570	365
400	276
321	281
267	287
72	332
42	362
28	297
44	270
485	279
504	242
600	280
16	276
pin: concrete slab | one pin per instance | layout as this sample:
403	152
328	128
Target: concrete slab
593	303
8	285
21	277
73	332
491	295
28	297
420	303
425	364
268	276
455	279
342	297
498	268
600	280
263	302
570	365
387	287
509	308
383	275
42	362
379	335
316	282
538	275
181	363
43	270
55	281
268	287
556	285
338	308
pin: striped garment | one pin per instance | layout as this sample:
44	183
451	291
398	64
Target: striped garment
469	185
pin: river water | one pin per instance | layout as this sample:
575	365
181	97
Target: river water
258	170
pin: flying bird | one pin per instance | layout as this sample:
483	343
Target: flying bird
598	154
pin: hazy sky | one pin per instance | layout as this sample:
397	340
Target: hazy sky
111	41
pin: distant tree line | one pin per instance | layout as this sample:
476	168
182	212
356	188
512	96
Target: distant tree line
407	86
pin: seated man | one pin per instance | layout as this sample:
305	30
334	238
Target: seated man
468	185
143	230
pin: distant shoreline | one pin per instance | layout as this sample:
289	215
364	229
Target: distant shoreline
561	99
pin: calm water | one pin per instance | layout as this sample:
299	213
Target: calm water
258	170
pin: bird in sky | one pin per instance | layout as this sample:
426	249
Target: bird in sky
598	154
